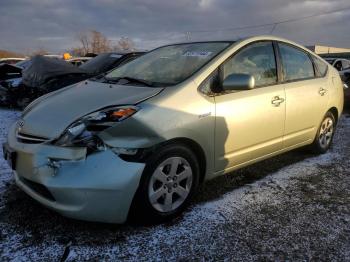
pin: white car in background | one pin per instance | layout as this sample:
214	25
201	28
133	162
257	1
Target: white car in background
343	67
340	64
11	60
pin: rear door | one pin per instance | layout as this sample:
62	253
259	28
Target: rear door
306	95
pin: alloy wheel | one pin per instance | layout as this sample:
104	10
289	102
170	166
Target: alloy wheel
170	184
326	132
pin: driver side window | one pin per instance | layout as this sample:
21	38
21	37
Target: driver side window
258	60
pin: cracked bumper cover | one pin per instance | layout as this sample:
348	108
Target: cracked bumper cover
98	187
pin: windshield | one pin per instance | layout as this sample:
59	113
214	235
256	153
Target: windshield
169	65
100	63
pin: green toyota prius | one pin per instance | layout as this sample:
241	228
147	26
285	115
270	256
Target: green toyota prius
139	140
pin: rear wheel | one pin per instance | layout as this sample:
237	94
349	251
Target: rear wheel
325	133
167	185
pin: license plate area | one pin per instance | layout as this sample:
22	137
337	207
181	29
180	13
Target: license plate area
10	156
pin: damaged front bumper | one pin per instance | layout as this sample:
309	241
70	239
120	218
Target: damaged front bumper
96	187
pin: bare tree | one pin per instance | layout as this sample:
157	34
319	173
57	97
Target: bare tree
77	51
84	41
126	44
95	42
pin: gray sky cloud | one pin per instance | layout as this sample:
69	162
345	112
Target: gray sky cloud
26	25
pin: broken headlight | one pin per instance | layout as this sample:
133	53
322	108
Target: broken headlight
84	131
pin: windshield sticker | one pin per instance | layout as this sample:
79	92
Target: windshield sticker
115	56
202	54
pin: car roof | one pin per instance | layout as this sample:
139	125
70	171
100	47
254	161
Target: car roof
246	39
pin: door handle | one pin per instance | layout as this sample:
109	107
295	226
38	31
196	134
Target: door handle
276	101
322	91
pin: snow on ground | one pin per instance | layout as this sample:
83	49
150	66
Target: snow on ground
7	117
292	207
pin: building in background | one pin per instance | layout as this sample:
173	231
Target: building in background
329	51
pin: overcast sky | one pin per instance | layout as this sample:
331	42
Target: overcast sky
26	25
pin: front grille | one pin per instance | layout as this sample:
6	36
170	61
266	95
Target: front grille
29	139
38	188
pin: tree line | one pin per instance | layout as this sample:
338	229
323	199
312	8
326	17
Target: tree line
91	41
95	42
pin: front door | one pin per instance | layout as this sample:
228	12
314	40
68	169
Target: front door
250	123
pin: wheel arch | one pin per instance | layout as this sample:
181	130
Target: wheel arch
335	113
197	150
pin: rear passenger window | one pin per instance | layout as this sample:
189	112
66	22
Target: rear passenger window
321	67
296	63
257	60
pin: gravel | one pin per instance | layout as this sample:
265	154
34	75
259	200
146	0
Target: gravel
292	207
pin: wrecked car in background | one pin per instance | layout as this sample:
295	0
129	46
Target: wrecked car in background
45	75
8	71
10	77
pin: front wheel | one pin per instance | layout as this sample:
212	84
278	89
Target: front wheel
167	185
325	133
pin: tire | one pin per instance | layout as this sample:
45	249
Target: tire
170	175
325	133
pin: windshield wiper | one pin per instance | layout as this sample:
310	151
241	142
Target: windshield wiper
129	79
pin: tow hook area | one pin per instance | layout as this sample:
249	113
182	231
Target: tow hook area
55	165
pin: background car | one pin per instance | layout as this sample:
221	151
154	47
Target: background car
346	79
78	61
45	74
11	60
339	63
343	66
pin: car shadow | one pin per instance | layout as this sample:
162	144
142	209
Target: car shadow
221	185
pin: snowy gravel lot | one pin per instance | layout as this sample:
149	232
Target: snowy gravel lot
292	207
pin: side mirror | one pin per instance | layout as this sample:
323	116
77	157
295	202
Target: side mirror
238	82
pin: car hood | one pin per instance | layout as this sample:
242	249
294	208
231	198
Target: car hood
54	113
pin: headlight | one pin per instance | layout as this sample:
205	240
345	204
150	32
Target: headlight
83	132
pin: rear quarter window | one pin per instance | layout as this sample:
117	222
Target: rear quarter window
320	67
